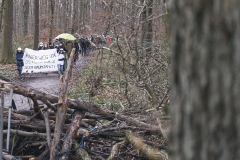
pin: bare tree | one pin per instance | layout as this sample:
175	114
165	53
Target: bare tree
25	15
36	30
52	20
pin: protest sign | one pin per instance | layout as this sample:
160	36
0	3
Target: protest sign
40	61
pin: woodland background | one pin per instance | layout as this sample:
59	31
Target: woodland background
127	83
127	77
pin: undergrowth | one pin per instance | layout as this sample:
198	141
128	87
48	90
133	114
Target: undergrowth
104	83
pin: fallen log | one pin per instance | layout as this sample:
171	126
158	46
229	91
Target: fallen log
79	106
48	128
114	152
37	124
28	134
7	156
15	116
70	134
150	152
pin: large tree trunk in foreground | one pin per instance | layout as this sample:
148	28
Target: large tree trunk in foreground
7	52
205	79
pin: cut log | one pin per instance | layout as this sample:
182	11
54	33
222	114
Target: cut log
15	116
7	156
114	152
70	134
37	124
28	134
48	129
150	152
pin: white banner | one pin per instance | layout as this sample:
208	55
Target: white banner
40	61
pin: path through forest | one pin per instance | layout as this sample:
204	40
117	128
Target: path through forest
47	83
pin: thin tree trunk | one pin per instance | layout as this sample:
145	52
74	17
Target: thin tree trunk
36	30
1	15
70	135
52	20
61	109
64	18
74	16
7	52
25	17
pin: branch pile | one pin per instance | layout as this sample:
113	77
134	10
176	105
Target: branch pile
71	129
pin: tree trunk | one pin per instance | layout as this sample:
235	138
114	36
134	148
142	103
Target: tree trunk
61	109
1	14
64	18
36	30
73	30
149	151
70	135
205	79
52	20
25	17
7	52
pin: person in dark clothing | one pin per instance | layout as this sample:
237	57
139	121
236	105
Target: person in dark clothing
63	47
88	45
40	47
92	39
83	46
76	50
50	45
19	58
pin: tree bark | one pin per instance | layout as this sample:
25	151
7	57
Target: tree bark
70	134
52	20
61	109
48	129
6	51
36	30
25	17
115	150
205	79
24	133
1	14
151	153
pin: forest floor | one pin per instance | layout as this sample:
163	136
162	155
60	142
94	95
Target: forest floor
45	82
